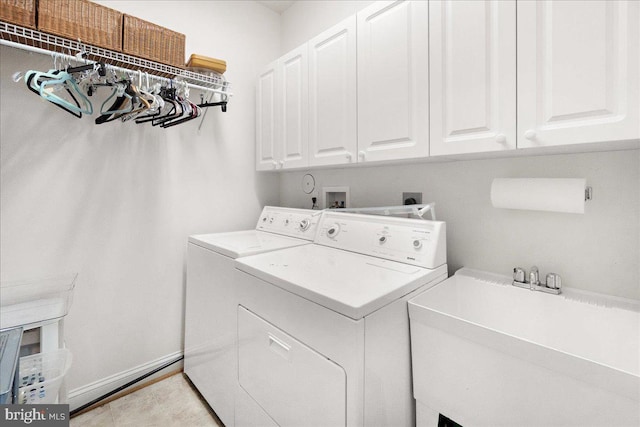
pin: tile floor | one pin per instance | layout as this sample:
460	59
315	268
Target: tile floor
172	402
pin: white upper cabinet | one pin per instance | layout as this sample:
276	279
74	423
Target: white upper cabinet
393	81
294	121
411	79
332	95
266	120
578	76
472	47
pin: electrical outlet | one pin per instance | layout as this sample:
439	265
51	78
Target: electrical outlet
411	198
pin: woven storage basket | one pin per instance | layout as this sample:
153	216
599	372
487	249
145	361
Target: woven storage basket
19	12
150	41
82	20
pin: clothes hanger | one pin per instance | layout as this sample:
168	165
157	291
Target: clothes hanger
175	112
156	102
52	81
48	89
142	103
190	110
196	112
30	77
123	104
175	109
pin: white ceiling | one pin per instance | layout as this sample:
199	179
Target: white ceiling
278	6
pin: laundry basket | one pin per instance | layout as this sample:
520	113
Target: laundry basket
41	376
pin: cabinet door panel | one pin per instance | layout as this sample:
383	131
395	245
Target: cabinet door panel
393	81
266	120
472	76
578	72
294	70
332	95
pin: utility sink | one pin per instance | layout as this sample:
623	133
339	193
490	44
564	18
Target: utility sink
486	353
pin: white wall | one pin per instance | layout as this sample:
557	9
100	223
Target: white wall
116	202
308	18
598	251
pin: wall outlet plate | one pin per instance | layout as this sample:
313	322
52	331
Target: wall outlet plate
408	198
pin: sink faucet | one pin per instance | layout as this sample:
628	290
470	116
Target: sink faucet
553	283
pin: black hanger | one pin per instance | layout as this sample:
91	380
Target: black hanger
176	110
194	114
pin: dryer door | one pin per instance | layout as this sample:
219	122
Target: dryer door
294	384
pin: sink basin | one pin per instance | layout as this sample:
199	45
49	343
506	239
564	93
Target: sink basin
488	353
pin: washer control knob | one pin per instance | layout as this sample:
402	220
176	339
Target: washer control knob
264	219
271	220
286	222
417	244
382	239
333	230
304	224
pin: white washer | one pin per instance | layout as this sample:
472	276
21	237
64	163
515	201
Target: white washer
210	352
323	329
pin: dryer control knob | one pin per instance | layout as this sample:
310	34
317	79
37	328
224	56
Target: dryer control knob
382	239
417	244
333	230
304	224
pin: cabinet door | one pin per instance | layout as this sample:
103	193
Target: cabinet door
332	95
472	48
294	94
393	81
266	120
577	72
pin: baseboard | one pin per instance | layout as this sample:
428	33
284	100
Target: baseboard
85	394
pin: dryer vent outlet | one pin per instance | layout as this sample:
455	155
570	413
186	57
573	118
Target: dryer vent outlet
411	198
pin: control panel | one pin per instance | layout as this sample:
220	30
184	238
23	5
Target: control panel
411	241
300	223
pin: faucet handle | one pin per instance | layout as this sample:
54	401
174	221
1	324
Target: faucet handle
554	281
518	275
534	276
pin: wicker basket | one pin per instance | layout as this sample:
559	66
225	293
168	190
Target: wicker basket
82	20
19	12
150	41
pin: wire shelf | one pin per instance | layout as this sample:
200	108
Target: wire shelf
23	38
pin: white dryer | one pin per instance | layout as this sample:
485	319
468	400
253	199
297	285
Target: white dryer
323	329
210	352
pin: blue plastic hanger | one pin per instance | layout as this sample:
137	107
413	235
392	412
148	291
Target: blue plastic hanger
48	88
33	85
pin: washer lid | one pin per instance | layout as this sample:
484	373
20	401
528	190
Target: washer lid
352	284
242	243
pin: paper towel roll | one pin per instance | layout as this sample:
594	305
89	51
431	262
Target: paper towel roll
539	194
